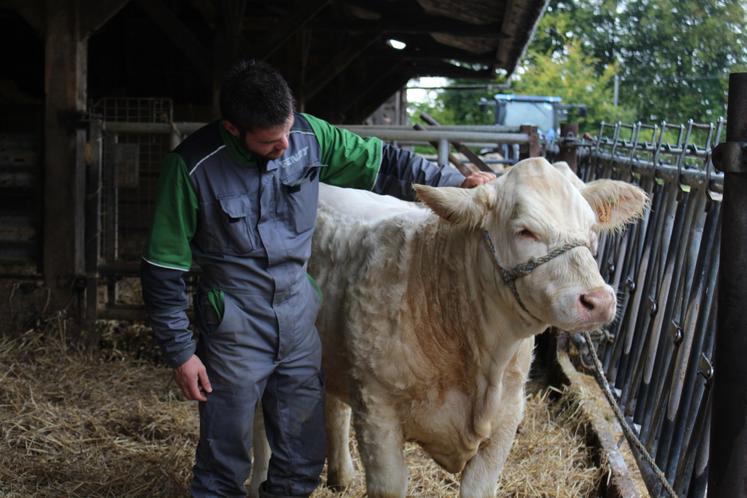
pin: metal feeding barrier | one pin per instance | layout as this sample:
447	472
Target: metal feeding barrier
657	354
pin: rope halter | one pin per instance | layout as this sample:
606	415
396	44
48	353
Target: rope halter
511	275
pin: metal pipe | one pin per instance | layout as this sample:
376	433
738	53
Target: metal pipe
443	152
691	177
480	128
388	133
728	450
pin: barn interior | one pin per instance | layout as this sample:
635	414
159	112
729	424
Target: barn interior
69	62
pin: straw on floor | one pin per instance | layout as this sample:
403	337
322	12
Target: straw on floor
110	423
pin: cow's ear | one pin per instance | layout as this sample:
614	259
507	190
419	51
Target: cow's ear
459	206
615	203
567	172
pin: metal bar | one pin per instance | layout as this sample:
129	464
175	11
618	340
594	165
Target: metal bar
480	128
463	168
443	152
728	462
395	134
93	222
476	160
691	177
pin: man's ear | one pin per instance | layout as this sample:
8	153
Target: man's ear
615	203
230	128
459	206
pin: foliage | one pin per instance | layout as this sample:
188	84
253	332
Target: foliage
677	65
573	78
672	57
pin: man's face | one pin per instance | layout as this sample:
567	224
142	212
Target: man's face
268	143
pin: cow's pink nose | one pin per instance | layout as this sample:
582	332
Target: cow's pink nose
598	304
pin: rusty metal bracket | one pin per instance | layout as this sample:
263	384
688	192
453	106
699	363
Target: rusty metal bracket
730	157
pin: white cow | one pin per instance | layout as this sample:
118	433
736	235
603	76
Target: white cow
428	334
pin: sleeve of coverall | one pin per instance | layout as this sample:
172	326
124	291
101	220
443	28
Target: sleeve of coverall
167	258
354	161
401	168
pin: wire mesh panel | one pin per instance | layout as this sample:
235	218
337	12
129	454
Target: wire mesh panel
657	353
20	216
131	163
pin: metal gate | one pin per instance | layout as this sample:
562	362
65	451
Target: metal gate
657	354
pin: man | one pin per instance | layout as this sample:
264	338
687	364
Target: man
239	196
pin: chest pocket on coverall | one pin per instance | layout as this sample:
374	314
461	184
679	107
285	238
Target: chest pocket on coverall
300	189
228	225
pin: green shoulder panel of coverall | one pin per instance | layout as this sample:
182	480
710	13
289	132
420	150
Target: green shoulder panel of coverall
350	160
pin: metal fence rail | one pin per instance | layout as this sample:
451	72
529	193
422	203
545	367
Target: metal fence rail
657	353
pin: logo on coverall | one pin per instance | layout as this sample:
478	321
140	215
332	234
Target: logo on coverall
295	157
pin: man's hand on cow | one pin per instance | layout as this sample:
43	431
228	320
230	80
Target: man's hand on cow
476	179
191	377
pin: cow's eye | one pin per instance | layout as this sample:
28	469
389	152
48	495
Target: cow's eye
527	234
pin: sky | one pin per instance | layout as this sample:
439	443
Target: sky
421	94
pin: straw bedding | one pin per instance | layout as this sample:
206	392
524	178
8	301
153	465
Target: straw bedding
111	423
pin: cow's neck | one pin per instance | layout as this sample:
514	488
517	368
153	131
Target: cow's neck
453	273
465	320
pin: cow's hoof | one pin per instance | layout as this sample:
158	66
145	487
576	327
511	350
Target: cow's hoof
339	481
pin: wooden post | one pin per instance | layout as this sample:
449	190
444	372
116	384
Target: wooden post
64	170
533	148
727	468
568	137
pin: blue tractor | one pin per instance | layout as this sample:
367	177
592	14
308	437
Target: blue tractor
544	112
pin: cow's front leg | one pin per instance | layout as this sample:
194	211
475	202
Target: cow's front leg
380	444
480	476
340	470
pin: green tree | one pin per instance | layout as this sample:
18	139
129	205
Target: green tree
573	77
676	56
673	56
673	59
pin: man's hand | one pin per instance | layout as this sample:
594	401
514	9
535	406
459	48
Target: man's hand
192	379
477	178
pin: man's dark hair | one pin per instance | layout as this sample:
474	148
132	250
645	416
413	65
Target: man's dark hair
254	95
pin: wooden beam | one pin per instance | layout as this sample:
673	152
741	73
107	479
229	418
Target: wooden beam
301	16
65	68
337	65
32	11
181	37
447	70
360	93
423	24
377	95
419	57
95	13
508	27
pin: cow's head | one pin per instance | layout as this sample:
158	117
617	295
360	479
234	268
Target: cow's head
534	210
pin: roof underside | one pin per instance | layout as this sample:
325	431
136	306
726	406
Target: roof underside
346	54
334	53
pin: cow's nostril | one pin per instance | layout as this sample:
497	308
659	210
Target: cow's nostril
586	302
